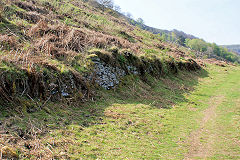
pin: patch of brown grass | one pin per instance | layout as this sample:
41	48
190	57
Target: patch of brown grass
7	42
114	115
58	39
27	143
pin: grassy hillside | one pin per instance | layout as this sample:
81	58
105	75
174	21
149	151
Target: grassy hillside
80	82
51	50
137	121
234	48
171	36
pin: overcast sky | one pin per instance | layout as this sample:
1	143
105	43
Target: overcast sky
213	20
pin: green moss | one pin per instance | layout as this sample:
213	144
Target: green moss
82	63
122	59
62	68
10	68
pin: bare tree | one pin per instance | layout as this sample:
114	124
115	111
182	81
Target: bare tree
140	20
117	8
106	3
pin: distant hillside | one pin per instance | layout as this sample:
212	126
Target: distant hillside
233	48
161	31
202	48
171	36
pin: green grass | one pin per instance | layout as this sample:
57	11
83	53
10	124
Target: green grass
223	130
227	122
141	121
154	123
137	121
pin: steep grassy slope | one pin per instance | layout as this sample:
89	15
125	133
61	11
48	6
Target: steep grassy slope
56	49
56	57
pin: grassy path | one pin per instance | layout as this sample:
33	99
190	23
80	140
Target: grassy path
199	149
218	135
162	122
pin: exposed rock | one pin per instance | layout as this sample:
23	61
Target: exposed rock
106	76
132	70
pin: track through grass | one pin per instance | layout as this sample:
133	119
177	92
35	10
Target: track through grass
218	135
158	122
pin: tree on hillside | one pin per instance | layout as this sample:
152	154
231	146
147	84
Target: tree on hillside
209	51
173	37
181	40
216	49
117	8
140	21
197	44
212	50
103	4
164	36
106	3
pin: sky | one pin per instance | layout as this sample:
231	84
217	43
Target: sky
213	20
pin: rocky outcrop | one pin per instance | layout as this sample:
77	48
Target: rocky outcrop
105	75
109	70
106	70
108	76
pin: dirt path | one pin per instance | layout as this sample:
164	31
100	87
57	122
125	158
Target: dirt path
199	149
